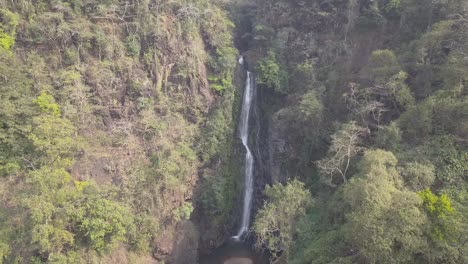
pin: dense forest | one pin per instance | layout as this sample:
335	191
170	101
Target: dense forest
119	138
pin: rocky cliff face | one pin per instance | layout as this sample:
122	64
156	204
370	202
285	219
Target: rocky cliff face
327	37
141	82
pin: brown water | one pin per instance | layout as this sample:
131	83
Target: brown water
234	252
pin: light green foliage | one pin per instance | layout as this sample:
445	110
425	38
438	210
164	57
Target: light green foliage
6	41
437	206
55	138
8	24
439	209
50	195
142	120
47	104
275	222
271	74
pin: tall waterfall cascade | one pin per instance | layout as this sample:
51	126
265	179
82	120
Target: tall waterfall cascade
249	160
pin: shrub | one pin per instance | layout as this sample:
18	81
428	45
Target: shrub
271	74
6	41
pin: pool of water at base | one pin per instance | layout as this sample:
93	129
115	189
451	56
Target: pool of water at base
234	252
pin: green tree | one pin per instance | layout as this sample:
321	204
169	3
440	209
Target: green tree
416	123
16	111
384	220
311	108
275	222
101	223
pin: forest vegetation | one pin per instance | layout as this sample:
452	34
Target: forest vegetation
119	141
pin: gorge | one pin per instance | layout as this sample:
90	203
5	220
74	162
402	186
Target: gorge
233	131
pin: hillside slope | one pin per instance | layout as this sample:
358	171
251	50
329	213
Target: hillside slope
109	110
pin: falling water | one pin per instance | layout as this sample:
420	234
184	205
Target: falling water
249	161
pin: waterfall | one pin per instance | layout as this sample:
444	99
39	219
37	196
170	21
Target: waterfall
249	161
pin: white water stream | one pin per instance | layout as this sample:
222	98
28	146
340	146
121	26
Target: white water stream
249	161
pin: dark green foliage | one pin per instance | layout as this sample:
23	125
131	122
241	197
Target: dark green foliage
370	17
416	123
418	176
388	137
16	111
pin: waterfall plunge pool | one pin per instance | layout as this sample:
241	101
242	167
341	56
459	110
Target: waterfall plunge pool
235	252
